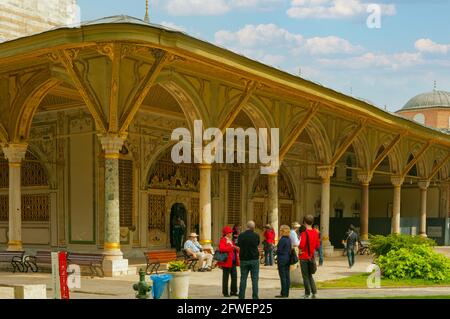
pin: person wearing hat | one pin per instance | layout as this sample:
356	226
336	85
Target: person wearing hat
227	245
193	248
294	235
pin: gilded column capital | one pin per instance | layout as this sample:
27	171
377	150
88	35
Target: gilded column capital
15	153
397	181
112	144
423	184
325	172
365	178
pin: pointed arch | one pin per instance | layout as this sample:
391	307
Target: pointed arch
360	146
187	97
27	102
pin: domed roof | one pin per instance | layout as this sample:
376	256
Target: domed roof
429	100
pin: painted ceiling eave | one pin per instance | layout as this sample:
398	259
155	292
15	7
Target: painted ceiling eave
184	45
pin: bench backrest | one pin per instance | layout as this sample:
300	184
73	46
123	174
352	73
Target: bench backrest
43	257
7	256
162	256
85	259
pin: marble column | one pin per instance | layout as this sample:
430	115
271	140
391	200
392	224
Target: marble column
423	185
205	205
325	173
114	264
273	203
397	182
365	179
15	153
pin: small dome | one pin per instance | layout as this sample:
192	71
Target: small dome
429	100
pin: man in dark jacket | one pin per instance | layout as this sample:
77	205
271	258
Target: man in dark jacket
248	243
351	243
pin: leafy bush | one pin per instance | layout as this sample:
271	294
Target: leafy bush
382	245
177	266
416	262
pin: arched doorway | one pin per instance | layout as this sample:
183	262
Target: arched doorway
178	216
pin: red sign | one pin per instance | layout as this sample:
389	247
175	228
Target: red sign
62	256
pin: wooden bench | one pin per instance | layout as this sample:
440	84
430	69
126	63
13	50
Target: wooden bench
15	258
157	257
93	261
33	262
191	261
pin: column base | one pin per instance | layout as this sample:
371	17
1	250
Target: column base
424	235
328	250
296	275
15	246
364	237
115	268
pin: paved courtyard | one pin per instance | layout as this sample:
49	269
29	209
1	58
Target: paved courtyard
208	285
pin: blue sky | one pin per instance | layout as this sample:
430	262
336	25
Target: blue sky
328	40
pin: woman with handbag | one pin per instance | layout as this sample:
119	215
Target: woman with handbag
309	242
284	252
227	246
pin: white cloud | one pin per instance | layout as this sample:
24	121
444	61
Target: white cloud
333	9
270	37
174	26
331	45
252	36
373	60
428	46
214	7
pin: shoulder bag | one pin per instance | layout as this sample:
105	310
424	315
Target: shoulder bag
312	259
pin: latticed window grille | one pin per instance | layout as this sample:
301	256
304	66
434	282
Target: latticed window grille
4	208
234	197
285	214
4	172
195	213
157	212
32	172
126	193
258	214
36	208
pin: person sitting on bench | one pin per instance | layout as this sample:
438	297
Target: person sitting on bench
193	248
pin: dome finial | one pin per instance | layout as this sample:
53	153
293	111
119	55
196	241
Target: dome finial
435	85
146	18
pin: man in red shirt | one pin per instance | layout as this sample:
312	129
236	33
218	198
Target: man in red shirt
309	242
269	243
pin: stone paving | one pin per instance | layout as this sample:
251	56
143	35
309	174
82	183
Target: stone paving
207	285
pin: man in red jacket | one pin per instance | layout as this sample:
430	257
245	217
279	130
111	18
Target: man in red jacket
309	242
269	243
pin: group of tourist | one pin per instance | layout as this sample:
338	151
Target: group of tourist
298	244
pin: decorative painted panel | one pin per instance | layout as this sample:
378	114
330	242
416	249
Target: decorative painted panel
167	175
157	212
126	192
261	188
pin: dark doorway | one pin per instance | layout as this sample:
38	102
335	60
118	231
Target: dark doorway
177	226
